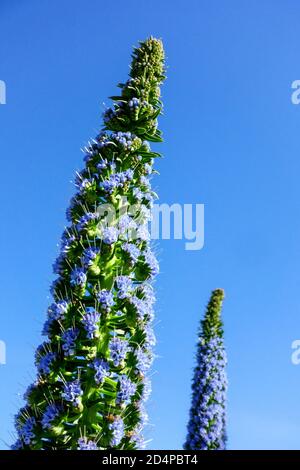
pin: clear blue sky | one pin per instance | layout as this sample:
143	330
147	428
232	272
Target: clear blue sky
231	142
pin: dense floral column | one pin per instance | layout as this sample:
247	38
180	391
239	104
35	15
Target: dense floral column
207	424
92	368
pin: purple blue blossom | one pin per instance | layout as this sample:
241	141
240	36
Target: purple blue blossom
207	422
29	391
86	444
101	370
138	440
150	339
102	165
26	429
45	362
58	265
118	350
152	263
117	429
78	277
134	103
110	235
144	360
18	445
106	299
69	338
124	286
126	224
142	307
72	392
142	233
89	255
66	241
147	388
86	219
90	322
127	389
133	251
49	415
124	139
58	309
138	194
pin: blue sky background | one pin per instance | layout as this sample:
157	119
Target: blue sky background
231	142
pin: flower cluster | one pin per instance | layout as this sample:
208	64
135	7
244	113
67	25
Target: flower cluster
45	362
126	390
72	392
101	370
26	430
68	338
117	429
49	415
118	349
90	321
206	427
92	368
86	444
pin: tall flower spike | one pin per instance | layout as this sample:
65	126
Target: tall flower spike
92	381
207	423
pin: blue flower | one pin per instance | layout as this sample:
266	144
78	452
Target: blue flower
118	430
144	360
116	180
206	429
134	103
124	285
143	415
89	256
101	370
86	219
102	165
138	194
142	307
132	250
29	391
110	235
148	293
78	277
72	392
69	337
126	224
147	388
18	445
126	390
49	415
118	350
150	339
138	440
106	299
66	241
58	309
110	184
58	265
145	182
148	169
26	430
45	362
86	444
142	233
90	322
124	139
84	183
152	263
